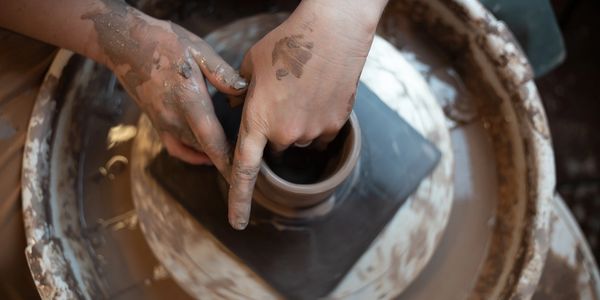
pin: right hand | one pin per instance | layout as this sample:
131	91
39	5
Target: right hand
303	79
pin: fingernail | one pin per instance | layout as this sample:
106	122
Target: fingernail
240	84
239	224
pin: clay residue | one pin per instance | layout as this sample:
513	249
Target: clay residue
184	69
293	52
559	280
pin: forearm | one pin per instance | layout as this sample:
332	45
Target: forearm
69	24
364	14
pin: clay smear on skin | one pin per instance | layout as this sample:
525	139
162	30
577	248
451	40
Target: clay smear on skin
118	44
208	59
292	53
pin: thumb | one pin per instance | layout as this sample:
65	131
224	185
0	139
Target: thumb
247	67
218	72
246	72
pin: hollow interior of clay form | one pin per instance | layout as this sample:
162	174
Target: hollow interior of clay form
309	165
305	177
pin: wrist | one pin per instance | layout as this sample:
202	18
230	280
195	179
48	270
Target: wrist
120	31
361	13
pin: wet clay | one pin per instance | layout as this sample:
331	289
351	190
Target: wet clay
293	52
118	44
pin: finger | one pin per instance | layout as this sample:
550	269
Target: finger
199	113
322	141
246	72
246	165
277	148
179	150
217	71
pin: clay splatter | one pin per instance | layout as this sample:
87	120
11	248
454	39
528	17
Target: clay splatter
120	47
294	53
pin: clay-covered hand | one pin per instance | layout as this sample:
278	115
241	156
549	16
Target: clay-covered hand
303	77
161	65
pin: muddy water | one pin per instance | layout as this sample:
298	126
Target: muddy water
456	262
108	216
23	62
460	254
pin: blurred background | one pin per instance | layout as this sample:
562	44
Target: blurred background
571	95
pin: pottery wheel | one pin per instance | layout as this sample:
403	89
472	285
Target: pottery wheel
83	234
199	263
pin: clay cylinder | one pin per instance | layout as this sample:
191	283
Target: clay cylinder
305	183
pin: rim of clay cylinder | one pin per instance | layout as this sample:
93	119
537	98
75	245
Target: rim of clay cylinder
341	173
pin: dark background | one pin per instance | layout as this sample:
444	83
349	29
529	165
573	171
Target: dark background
571	96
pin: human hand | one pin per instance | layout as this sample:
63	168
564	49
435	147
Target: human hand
303	78
161	65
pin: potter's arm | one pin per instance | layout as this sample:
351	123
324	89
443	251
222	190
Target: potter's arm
54	22
303	76
160	64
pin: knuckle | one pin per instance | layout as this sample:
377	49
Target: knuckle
331	130
285	138
312	134
335	126
245	174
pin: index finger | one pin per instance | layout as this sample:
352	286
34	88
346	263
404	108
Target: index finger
246	165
